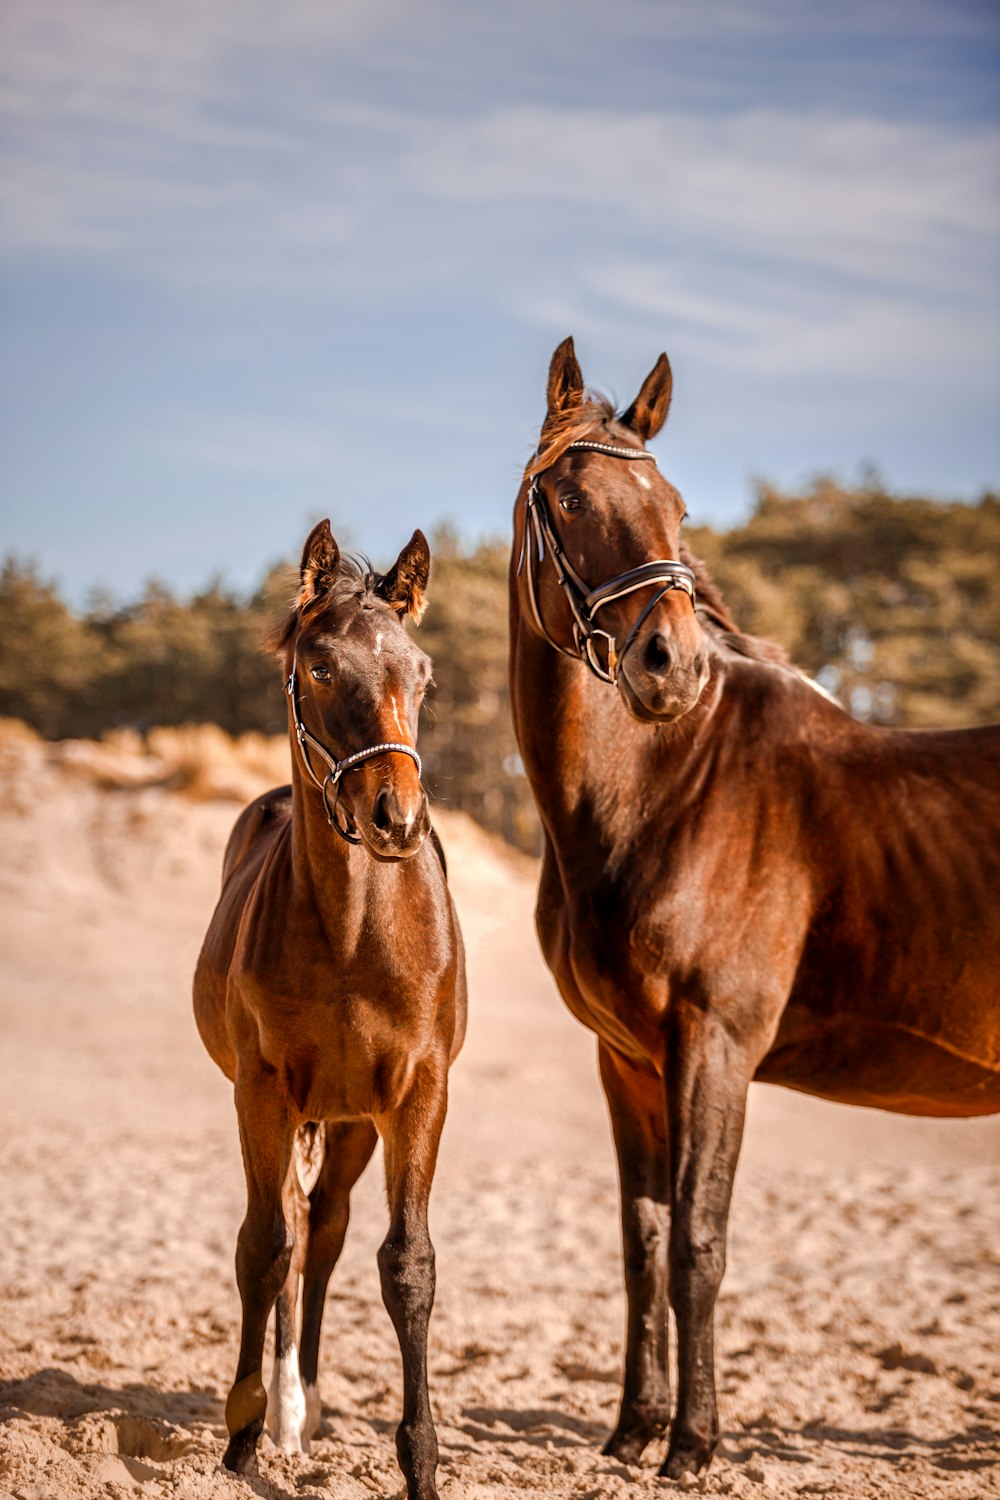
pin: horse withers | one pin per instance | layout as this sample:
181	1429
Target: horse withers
738	880
331	991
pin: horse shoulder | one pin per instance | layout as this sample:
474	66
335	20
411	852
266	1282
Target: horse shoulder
255	834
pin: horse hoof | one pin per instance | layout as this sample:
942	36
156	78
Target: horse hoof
240	1457
629	1444
687	1456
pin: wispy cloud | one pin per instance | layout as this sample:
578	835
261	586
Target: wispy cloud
853	196
774	190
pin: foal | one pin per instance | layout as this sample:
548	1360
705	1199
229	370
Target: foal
331	990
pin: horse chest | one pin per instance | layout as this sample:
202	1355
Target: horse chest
342	1016
345	1051
623	953
608	982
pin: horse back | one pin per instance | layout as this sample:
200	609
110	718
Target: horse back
256	828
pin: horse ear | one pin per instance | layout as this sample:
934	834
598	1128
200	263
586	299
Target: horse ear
405	584
320	557
648	411
565	388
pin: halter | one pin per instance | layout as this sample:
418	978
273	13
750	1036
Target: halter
584	602
309	742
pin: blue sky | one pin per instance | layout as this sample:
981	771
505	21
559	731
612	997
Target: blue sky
262	264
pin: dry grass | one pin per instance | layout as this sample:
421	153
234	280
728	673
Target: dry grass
200	761
204	760
16	732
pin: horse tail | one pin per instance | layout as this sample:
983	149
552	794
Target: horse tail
309	1151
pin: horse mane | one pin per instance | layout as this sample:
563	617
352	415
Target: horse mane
713	611
559	431
355	579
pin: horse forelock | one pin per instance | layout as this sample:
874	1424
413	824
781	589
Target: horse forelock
561	429
355	581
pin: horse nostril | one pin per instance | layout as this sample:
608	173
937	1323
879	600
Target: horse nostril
381	812
657	656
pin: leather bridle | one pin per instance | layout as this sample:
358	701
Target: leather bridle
337	767
584	602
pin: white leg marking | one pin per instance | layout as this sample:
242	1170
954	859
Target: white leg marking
314	1413
286	1404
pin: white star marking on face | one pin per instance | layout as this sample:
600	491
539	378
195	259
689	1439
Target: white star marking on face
645	481
395	714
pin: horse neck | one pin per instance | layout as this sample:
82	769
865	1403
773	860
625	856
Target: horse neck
594	769
328	873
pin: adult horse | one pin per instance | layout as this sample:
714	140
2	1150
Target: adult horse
331	991
738	880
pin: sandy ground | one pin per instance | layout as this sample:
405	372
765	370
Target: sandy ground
857	1328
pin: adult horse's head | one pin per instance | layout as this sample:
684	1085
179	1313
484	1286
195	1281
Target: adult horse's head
600	574
355	682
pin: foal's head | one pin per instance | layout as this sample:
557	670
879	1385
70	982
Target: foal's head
357	682
612	513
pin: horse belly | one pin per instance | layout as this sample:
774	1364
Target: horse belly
882	1069
900	1056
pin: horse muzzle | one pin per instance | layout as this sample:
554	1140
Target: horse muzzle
658	682
398	823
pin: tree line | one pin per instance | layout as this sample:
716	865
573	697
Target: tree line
889	601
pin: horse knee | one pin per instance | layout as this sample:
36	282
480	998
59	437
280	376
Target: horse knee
697	1267
407	1272
263	1255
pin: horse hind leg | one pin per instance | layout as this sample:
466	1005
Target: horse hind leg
287	1406
348	1150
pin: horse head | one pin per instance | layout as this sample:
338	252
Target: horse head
355	684
599	557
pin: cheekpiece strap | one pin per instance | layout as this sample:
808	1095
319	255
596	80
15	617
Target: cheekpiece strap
584	602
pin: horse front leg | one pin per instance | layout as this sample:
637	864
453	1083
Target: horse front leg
635	1103
406	1264
707	1078
263	1256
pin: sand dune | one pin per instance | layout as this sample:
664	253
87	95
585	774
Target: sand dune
858	1325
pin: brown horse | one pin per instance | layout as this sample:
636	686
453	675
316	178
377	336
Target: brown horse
739	881
331	991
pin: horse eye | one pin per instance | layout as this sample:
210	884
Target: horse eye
321	673
570	502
